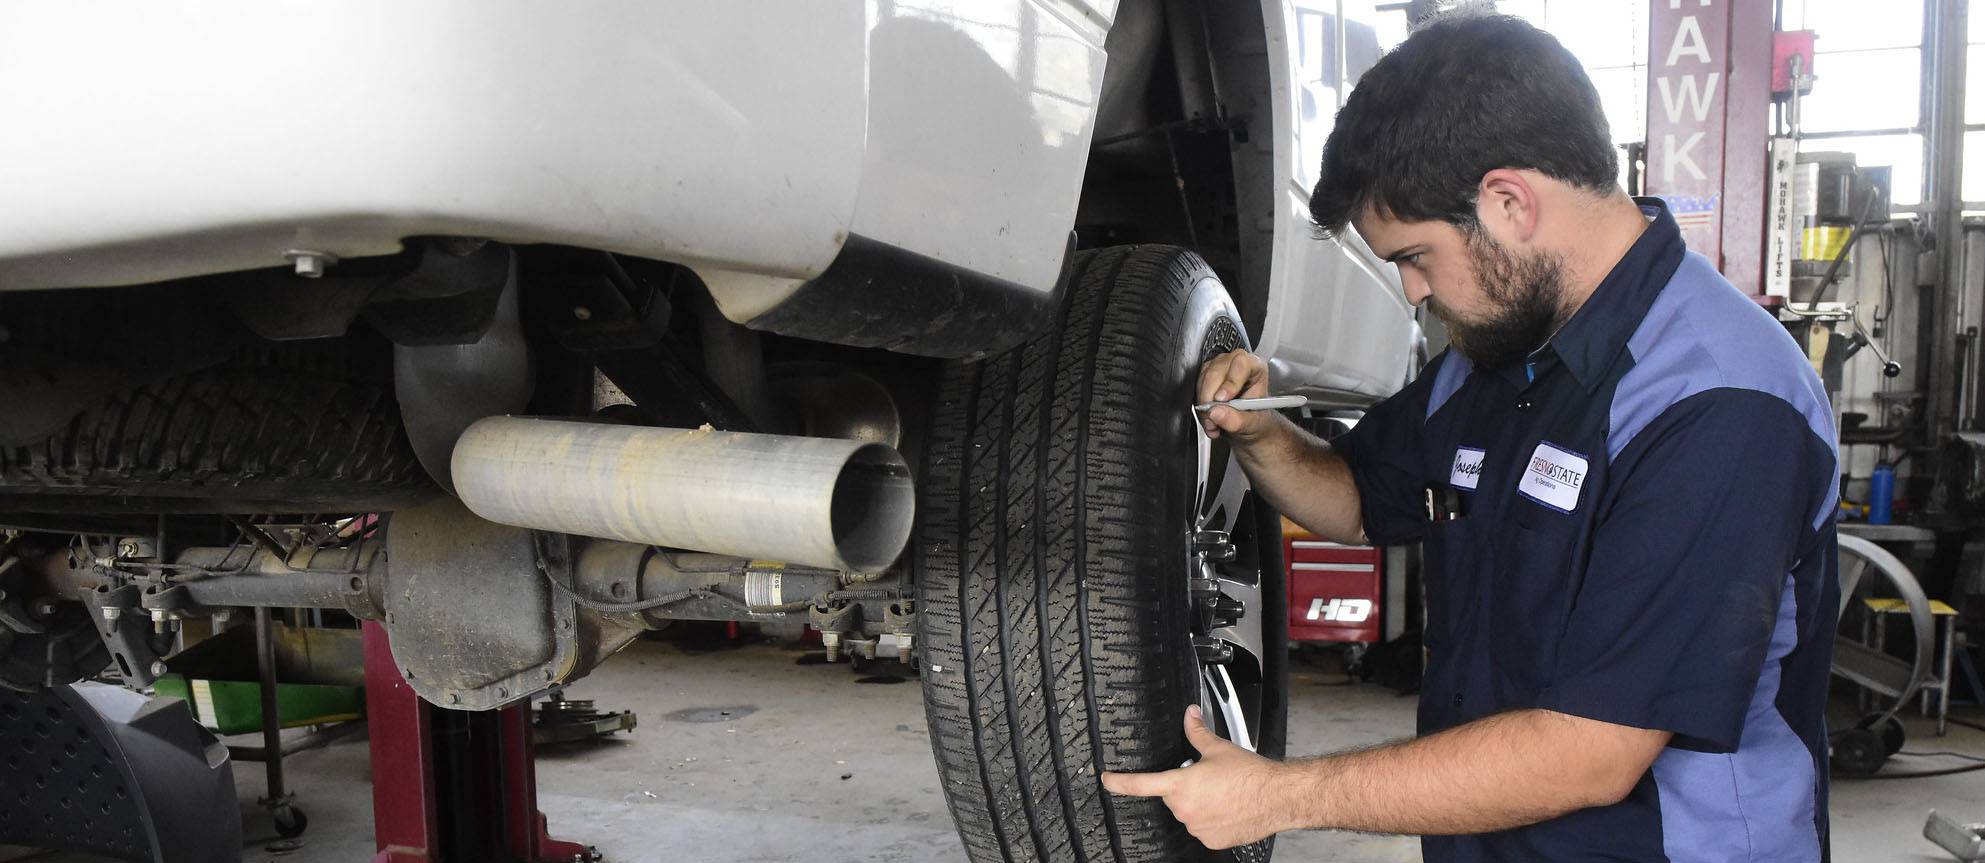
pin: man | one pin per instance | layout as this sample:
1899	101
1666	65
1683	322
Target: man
1623	472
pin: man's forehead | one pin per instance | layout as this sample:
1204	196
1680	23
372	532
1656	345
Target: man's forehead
1385	232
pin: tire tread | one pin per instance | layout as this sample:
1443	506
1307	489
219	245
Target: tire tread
1041	677
221	434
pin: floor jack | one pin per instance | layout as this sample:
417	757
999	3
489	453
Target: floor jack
451	784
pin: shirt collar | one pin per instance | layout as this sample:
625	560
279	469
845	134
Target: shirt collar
1598	332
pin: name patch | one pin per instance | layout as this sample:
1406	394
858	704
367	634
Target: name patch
1467	468
1554	477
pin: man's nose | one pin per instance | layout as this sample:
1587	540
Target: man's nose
1417	289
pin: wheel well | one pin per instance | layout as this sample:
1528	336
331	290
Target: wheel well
1184	147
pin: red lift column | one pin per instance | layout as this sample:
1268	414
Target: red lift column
1708	107
451	784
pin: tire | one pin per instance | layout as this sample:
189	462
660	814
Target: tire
1888	728
1858	752
1061	489
235	438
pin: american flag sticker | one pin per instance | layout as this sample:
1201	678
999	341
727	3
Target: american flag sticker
1695	212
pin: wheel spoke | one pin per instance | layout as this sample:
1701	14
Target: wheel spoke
1220	494
1220	484
1227	706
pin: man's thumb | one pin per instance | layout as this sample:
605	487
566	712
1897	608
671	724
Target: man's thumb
1201	737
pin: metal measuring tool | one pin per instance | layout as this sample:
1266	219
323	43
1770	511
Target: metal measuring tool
1268	403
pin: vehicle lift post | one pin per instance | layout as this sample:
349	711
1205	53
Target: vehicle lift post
452	784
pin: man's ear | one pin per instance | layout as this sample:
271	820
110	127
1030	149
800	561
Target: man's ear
1506	203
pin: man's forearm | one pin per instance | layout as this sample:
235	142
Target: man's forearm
1495	773
1304	479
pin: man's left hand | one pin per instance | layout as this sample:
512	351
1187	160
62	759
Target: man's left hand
1225	799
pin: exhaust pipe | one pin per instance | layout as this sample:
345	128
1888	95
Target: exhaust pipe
838	504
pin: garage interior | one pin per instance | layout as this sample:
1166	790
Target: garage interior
1831	174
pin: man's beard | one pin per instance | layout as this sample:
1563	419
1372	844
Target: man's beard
1528	299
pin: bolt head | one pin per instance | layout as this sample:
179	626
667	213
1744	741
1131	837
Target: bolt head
159	669
112	612
44	607
310	266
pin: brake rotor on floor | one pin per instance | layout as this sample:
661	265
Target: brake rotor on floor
563	720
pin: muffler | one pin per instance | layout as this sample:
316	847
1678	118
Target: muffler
838	504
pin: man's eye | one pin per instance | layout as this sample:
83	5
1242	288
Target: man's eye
1412	260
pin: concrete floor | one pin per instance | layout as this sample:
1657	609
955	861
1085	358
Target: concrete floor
813	765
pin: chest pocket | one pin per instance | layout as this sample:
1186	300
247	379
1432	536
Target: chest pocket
1454	549
1529	606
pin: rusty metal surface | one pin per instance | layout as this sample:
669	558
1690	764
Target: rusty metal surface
472	622
839	504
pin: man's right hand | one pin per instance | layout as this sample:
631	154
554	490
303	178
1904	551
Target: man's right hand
1234	375
1295	472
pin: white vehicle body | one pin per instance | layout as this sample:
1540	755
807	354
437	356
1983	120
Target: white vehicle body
161	141
1337	319
681	131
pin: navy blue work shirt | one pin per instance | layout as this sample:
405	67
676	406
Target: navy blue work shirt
1635	526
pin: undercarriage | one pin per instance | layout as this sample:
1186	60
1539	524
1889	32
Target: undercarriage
311	447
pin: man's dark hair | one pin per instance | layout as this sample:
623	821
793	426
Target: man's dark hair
1465	95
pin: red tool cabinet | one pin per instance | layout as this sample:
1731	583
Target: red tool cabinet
1334	589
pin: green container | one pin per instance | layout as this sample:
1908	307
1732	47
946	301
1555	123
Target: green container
235	707
319	672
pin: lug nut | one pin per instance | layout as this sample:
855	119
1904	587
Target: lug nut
1212	651
1228	608
1216	545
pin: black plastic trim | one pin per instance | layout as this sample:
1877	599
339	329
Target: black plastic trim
876	295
